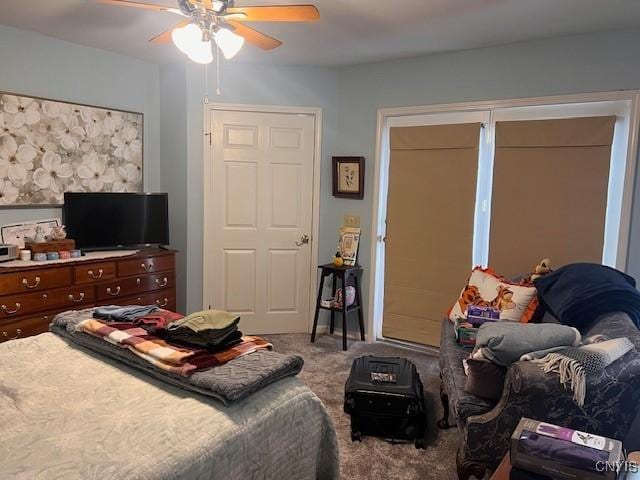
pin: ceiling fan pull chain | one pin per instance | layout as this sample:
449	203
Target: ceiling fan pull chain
218	76
206	83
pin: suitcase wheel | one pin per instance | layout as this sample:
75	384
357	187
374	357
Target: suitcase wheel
421	443
356	436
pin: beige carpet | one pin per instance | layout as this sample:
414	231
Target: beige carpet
326	369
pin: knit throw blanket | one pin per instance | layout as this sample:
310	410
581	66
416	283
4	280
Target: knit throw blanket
573	365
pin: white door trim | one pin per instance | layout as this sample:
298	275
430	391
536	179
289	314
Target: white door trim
376	270
208	182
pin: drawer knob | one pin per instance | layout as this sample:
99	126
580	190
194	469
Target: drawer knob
36	282
6	310
164	303
138	282
93	275
74	300
6	335
163	283
112	293
147	267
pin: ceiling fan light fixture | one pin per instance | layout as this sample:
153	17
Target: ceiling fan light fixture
228	42
202	53
186	37
189	41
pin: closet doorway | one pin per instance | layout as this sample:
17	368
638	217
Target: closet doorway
456	186
430	211
261	191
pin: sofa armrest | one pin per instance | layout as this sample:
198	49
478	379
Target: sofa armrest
612	400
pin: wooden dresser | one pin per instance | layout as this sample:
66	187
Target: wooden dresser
31	296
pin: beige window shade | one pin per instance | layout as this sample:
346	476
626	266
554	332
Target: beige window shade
429	234
550	186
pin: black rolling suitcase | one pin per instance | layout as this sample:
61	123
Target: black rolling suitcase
385	398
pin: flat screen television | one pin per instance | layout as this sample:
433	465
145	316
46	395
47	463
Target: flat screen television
102	221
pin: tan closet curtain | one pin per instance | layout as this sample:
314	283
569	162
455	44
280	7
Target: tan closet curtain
550	185
430	212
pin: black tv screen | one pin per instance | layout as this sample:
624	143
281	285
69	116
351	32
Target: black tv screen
116	220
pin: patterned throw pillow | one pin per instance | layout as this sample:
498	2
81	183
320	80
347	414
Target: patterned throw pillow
516	302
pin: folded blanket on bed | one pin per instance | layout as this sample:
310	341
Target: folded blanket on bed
156	322
206	320
127	313
574	364
505	342
181	360
231	382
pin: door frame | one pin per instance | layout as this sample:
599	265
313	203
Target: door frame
208	207
384	115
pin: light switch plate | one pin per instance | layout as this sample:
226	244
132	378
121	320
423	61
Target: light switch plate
351	221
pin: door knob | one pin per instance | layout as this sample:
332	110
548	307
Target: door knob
304	239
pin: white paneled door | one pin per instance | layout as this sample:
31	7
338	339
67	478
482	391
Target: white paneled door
262	167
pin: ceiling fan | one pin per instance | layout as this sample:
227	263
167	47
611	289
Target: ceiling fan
221	22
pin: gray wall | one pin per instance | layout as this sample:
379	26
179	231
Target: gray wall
171	97
350	97
32	64
263	85
588	63
173	144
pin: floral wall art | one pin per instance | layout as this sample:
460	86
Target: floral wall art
49	147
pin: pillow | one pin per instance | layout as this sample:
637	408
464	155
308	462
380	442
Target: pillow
516	302
484	379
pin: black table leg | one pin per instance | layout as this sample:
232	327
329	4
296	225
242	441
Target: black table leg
315	318
333	295
359	300
344	310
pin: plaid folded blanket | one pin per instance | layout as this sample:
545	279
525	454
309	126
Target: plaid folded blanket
180	360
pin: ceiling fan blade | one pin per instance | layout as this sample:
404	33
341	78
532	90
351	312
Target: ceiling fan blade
165	37
141	5
254	37
281	13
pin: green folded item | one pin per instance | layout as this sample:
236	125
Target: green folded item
206	320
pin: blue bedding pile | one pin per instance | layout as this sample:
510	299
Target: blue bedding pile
579	293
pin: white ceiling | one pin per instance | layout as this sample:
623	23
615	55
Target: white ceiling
349	32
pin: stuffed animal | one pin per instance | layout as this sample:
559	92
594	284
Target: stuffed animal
541	269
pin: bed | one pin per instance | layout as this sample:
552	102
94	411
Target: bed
67	413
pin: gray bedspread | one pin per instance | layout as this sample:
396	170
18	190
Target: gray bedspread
67	413
228	383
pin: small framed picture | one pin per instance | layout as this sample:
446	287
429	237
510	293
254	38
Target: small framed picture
348	177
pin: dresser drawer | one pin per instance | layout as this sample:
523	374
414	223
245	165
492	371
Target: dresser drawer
60	298
94	272
145	265
157	281
128	286
26	326
34	280
118	288
162	298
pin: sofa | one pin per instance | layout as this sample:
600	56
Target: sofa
611	404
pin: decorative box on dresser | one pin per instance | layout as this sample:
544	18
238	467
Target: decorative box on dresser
31	296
